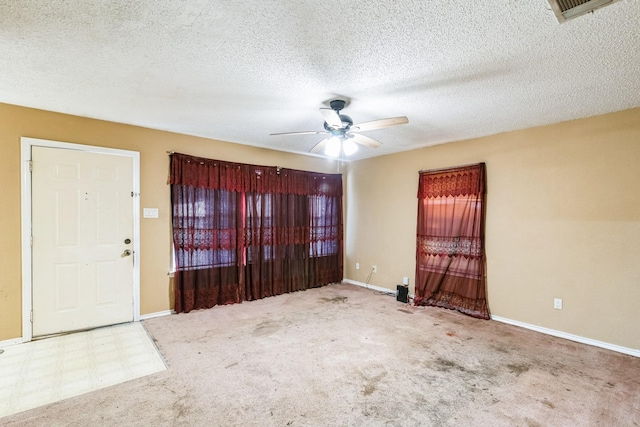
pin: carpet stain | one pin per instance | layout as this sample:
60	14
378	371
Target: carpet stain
548	404
266	328
180	408
336	299
371	376
405	311
446	365
519	368
500	349
372	383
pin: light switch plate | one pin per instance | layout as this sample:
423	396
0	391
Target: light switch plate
150	212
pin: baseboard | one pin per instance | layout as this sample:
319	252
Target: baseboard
157	314
576	338
14	341
372	287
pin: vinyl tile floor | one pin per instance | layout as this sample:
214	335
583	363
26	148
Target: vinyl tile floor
52	369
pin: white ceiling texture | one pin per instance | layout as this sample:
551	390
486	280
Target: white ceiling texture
239	70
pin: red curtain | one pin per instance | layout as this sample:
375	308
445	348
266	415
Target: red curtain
244	232
450	259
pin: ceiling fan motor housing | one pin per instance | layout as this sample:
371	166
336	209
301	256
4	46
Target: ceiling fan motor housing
337	104
346	124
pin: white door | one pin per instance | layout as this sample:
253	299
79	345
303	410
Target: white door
82	228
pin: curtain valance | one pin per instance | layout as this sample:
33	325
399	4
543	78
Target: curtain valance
457	182
243	178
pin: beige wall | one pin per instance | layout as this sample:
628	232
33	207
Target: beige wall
563	221
563	214
16	122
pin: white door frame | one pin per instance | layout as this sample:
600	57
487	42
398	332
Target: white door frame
25	205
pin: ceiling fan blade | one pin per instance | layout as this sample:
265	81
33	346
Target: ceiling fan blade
320	145
379	124
310	132
365	140
331	117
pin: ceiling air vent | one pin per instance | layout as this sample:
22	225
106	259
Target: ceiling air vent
569	9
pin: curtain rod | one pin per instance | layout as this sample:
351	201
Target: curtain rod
450	168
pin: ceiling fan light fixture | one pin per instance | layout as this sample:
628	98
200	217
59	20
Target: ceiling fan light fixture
349	147
333	147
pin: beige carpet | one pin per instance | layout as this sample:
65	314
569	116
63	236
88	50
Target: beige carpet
348	356
52	369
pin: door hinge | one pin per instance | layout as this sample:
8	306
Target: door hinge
31	241
134	194
31	316
30	165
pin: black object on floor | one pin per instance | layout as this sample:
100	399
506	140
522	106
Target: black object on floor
403	294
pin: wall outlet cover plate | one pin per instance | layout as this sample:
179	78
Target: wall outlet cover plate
150	213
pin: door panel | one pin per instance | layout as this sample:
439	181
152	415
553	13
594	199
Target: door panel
82	212
67	284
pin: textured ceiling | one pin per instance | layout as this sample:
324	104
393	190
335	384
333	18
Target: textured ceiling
238	70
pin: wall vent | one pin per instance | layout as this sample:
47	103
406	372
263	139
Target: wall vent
569	9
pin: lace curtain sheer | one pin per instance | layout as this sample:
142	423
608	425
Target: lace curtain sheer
450	259
244	232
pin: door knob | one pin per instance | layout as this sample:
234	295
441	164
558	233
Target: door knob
127	252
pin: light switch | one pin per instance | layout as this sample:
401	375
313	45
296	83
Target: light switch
150	213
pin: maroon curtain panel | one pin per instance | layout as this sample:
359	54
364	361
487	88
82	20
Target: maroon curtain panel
245	232
450	258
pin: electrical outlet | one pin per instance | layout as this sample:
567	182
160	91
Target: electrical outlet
557	303
374	269
357	266
405	281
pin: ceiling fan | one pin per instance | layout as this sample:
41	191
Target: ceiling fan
343	134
